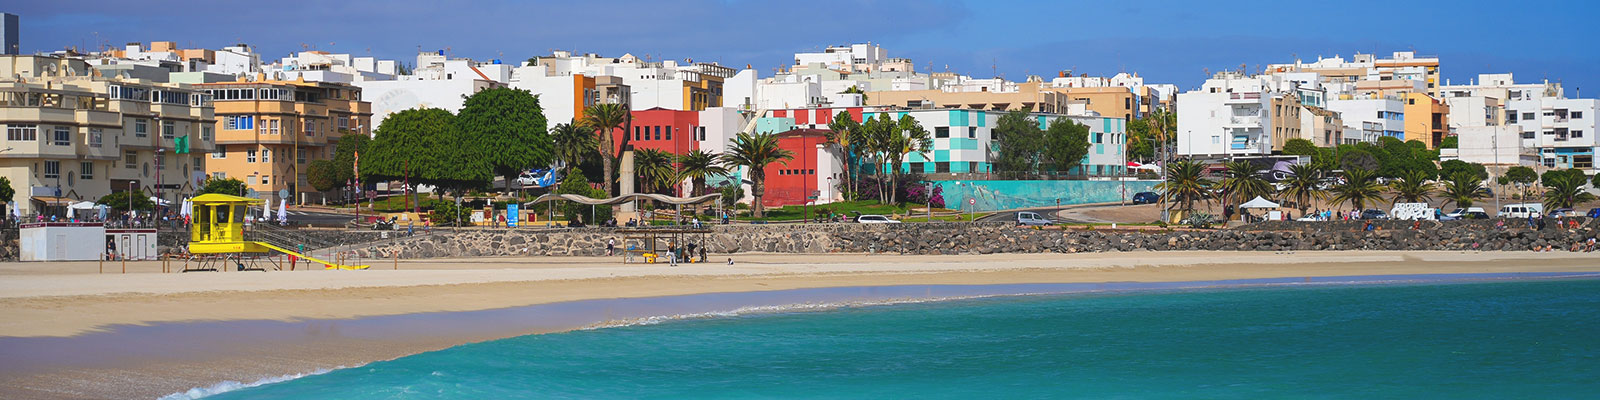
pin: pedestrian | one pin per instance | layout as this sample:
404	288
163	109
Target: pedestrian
611	246
1541	224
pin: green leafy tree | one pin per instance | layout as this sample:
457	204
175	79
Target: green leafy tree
1241	181
605	119
1303	185
1359	188
1141	143
1523	177
508	129
1017	143
574	143
654	169
1356	158
1066	143
423	146
7	193
119	201
1595	181
1548	179
344	156
856	90
754	152
1163	128
1566	191
731	195
1185	185
1450	142
1299	147
322	176
1451	167
697	167
229	186
575	183
1414	187
1462	188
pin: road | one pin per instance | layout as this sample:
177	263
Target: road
1070	214
319	217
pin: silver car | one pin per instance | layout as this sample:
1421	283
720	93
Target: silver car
1032	219
875	219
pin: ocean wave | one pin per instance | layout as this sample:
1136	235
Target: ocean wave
785	308
229	386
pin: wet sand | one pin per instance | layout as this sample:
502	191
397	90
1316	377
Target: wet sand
310	320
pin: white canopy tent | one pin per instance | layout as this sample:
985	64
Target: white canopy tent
1260	202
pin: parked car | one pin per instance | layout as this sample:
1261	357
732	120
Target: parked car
1593	213
1563	212
1459	213
1373	213
1146	198
875	219
1522	210
1032	219
1475	215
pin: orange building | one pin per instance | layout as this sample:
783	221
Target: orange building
268	131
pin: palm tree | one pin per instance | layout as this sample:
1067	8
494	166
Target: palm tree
654	168
574	142
908	137
1414	187
1162	124
697	166
1358	188
1241	183
1303	186
846	134
1462	188
754	152
1185	185
1565	191
605	119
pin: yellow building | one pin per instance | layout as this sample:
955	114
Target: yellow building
1427	120
268	131
1108	101
74	136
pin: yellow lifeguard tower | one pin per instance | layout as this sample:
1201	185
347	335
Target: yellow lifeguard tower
218	228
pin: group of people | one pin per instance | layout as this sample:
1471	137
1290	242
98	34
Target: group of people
675	252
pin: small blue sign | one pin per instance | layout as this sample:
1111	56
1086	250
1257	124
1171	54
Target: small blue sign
511	215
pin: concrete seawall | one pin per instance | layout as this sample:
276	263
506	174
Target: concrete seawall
986	238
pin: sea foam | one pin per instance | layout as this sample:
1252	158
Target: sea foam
229	386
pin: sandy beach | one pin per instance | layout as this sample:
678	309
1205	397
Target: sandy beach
53	303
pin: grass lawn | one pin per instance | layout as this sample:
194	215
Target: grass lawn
848	208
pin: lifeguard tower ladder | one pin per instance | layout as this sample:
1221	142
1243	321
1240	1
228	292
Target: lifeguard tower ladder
218	229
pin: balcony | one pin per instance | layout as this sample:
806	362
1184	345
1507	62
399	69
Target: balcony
1243	121
1243	98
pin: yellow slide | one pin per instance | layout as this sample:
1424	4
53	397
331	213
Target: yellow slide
312	259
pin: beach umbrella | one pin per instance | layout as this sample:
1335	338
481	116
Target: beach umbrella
283	212
266	211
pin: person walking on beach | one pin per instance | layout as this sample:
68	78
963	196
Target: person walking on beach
611	246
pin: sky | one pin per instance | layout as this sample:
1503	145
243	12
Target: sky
1164	41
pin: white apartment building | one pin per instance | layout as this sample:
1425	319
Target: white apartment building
1232	114
72	136
1369	118
1562	130
1489	145
437	82
321	66
860	57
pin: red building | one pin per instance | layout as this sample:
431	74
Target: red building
818	118
671	131
792	182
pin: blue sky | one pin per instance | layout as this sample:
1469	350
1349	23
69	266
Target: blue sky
1165	41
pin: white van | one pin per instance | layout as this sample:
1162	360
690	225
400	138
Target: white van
1522	210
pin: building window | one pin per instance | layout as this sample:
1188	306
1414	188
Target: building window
85	170
311	128
1577	114
701	130
205	133
273	126
636	133
972	132
250	155
344	123
941	167
220	153
941	132
168	130
52	169
198	165
219	175
161	162
265	124
96	137
658	133
1527	116
266	155
1577	134
18	133
63	136
141	128
669	133
130	159
300	156
251	180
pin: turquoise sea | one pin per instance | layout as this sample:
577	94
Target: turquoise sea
1516	339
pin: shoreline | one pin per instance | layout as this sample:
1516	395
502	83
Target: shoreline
319	314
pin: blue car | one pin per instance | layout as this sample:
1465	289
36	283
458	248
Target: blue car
1593	213
1146	198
